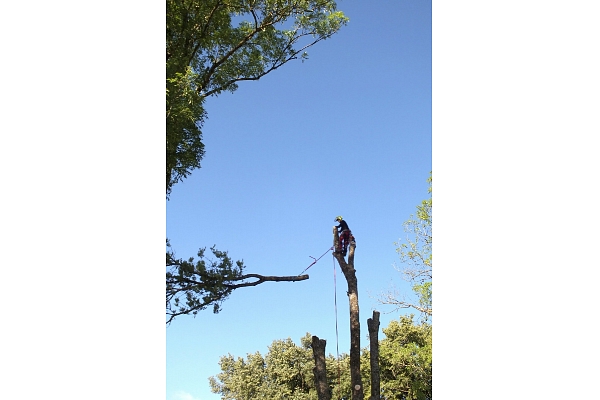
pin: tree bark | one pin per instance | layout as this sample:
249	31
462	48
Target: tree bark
373	324
350	274
320	371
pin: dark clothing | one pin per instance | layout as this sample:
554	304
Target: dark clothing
343	226
344	236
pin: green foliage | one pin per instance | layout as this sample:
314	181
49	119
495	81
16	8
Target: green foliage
424	292
194	285
417	251
185	115
406	360
211	45
416	255
285	372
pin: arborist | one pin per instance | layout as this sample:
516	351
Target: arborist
345	235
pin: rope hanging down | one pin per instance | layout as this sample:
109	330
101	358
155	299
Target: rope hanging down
337	340
337	349
316	259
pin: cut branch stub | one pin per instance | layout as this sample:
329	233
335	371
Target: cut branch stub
373	324
320	371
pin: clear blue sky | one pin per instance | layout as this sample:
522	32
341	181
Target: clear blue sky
347	132
514	125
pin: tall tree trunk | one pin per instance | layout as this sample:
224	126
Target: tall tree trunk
350	274
373	324
318	347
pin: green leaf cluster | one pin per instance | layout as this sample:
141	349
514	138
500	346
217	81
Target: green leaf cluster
192	285
406	360
185	115
285	372
416	254
212	45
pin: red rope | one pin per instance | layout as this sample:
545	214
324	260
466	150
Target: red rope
314	262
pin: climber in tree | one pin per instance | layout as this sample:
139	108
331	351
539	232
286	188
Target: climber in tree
345	234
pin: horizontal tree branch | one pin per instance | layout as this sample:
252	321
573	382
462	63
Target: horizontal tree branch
262	278
180	286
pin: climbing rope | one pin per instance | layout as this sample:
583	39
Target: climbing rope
337	347
337	342
314	262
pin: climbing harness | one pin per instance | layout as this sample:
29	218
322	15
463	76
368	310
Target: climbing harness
314	262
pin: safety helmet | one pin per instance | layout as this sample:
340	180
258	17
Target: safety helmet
338	218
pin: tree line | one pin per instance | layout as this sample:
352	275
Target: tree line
286	370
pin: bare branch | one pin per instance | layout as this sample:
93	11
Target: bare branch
262	279
392	299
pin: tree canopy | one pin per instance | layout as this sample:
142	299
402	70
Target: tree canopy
212	45
406	360
285	372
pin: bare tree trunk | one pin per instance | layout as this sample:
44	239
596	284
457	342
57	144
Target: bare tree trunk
320	371
373	324
350	274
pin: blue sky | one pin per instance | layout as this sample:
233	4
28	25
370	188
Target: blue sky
514	124
347	132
